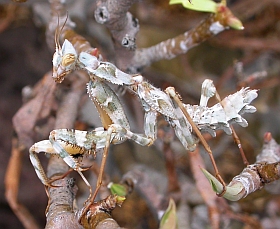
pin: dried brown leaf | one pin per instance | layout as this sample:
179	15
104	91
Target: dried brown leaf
38	108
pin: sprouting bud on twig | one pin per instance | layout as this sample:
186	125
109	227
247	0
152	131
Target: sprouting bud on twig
100	211
253	177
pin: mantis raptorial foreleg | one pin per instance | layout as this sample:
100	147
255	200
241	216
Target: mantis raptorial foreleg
70	145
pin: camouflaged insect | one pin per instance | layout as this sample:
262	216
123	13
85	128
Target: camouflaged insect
71	145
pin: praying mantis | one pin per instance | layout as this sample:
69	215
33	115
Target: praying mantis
72	145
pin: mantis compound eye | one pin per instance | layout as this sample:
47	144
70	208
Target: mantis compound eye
56	59
68	59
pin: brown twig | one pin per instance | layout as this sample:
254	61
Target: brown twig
249	44
12	177
173	184
183	43
66	116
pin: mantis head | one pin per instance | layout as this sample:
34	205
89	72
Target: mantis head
64	59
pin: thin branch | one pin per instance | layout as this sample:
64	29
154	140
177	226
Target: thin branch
209	27
61	199
12	177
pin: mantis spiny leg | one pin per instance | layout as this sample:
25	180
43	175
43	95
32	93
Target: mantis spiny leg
172	93
234	135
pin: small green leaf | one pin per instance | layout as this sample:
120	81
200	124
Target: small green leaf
169	218
117	189
234	191
198	5
215	184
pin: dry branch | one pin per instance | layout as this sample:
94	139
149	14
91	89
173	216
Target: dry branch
12	177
